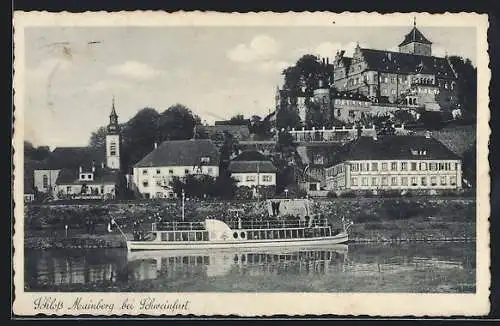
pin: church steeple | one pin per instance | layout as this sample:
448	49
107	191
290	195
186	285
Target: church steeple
113	126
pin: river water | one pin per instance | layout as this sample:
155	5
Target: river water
413	267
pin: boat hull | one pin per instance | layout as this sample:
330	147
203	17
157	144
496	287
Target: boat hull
231	244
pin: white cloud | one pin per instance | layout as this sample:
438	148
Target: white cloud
109	85
135	70
261	47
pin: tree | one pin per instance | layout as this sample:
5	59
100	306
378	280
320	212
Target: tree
98	138
288	117
238	119
139	136
177	123
466	85
35	154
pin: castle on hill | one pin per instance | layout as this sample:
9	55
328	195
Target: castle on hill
376	82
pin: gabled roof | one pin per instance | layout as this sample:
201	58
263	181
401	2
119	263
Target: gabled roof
394	148
250	156
388	61
251	167
181	153
73	157
101	176
415	36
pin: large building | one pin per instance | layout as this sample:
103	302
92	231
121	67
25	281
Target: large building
374	82
175	158
82	171
394	163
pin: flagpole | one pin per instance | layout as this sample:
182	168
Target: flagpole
119	228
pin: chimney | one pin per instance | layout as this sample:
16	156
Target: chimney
428	134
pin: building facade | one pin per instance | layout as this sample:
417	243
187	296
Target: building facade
395	163
253	169
177	158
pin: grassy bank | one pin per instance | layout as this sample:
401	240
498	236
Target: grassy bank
376	219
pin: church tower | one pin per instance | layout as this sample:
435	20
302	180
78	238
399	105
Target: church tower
416	43
113	140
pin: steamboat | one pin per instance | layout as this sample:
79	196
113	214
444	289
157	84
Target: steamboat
214	233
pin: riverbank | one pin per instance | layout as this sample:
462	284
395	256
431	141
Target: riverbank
376	220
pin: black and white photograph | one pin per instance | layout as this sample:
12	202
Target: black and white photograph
173	163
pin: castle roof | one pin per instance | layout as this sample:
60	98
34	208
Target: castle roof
395	148
181	153
388	61
415	36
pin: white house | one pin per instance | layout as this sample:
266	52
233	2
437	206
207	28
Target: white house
395	162
175	158
253	169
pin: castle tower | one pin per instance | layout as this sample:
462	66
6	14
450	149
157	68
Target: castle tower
416	43
322	98
113	140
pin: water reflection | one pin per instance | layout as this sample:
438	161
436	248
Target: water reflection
412	268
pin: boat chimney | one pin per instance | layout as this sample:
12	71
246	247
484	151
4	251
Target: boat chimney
428	134
80	169
375	137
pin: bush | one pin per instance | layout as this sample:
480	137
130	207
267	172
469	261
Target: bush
348	194
390	193
331	194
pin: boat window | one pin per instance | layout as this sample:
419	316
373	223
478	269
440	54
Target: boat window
184	236
178	236
170	236
199	236
199	260
294	233
322	232
288	234
242	235
235	235
328	232
164	236
192	236
301	233
185	260
250	235
269	234
205	236
282	234
262	234
276	234
206	260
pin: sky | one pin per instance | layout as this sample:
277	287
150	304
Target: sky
73	73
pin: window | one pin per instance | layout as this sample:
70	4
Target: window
364	181
144	171
351	113
145	183
338	112
205	159
210	170
386	80
404	166
186	171
413	166
170	171
443	181
112	149
384	166
158	182
423	181
433	181
354	181
393	80
394	181
413	181
394	166
267	178
374	181
68	189
250	178
423	166
432	166
384	181
453	181
45	181
374	166
404	181
393	91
